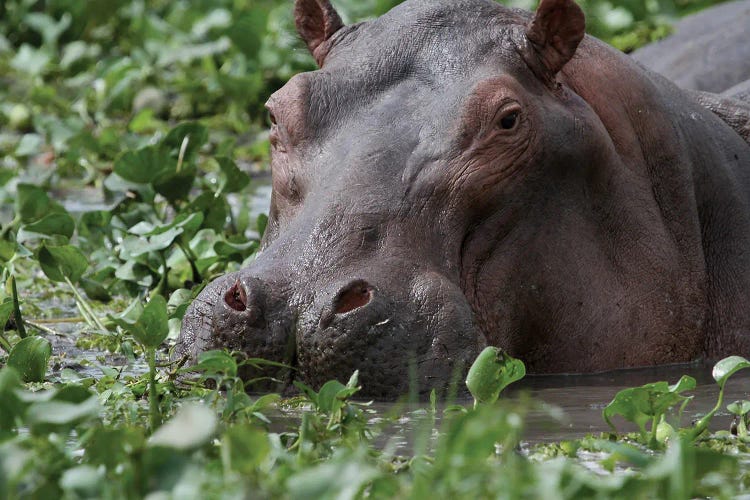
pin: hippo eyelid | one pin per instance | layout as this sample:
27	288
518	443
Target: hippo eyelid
510	110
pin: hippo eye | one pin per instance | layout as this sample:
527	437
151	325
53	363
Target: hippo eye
508	121
272	118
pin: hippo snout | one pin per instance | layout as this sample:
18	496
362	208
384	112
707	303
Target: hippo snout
385	328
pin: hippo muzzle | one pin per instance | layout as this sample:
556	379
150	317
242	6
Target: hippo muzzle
414	331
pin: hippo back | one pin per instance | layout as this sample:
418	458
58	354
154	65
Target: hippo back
709	51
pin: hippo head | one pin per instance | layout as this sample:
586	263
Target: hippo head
400	167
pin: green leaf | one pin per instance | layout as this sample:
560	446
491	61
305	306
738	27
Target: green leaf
248	30
215	362
12	406
52	224
196	135
491	372
30	357
142	166
6	309
44	416
261	223
727	367
233	179
246	447
175	185
327	397
33	203
739	407
642	404
60	262
153	322
193	426
94	290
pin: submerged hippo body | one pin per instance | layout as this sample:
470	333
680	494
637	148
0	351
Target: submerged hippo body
459	174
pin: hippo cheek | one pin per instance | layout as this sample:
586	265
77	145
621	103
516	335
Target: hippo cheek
424	338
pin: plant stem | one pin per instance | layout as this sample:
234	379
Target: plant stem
190	256
164	284
153	400
43	328
702	424
10	225
53	321
20	328
86	309
4	343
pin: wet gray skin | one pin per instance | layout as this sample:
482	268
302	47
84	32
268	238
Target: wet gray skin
454	177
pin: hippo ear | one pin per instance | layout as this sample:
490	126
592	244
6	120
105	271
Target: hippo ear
555	32
316	21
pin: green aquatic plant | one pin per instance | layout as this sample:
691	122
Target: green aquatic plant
650	403
491	372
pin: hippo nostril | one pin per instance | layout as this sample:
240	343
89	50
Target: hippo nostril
353	296
236	297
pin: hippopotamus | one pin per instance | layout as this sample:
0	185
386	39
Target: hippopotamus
708	51
458	174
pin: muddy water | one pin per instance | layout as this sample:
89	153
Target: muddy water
583	397
575	403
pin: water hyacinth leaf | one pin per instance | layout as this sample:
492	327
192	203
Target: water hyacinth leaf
133	247
227	249
727	367
739	407
215	210
215	362
193	426
47	416
61	262
153	322
491	372
95	290
11	405
52	224
29	357
82	481
345	476
644	403
247	31
233	179
176	185
32	203
6	309
109	446
195	133
143	165
7	250
178	303
72	393
159	237
261	223
246	447
328	401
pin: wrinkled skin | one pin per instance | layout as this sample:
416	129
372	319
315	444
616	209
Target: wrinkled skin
460	174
